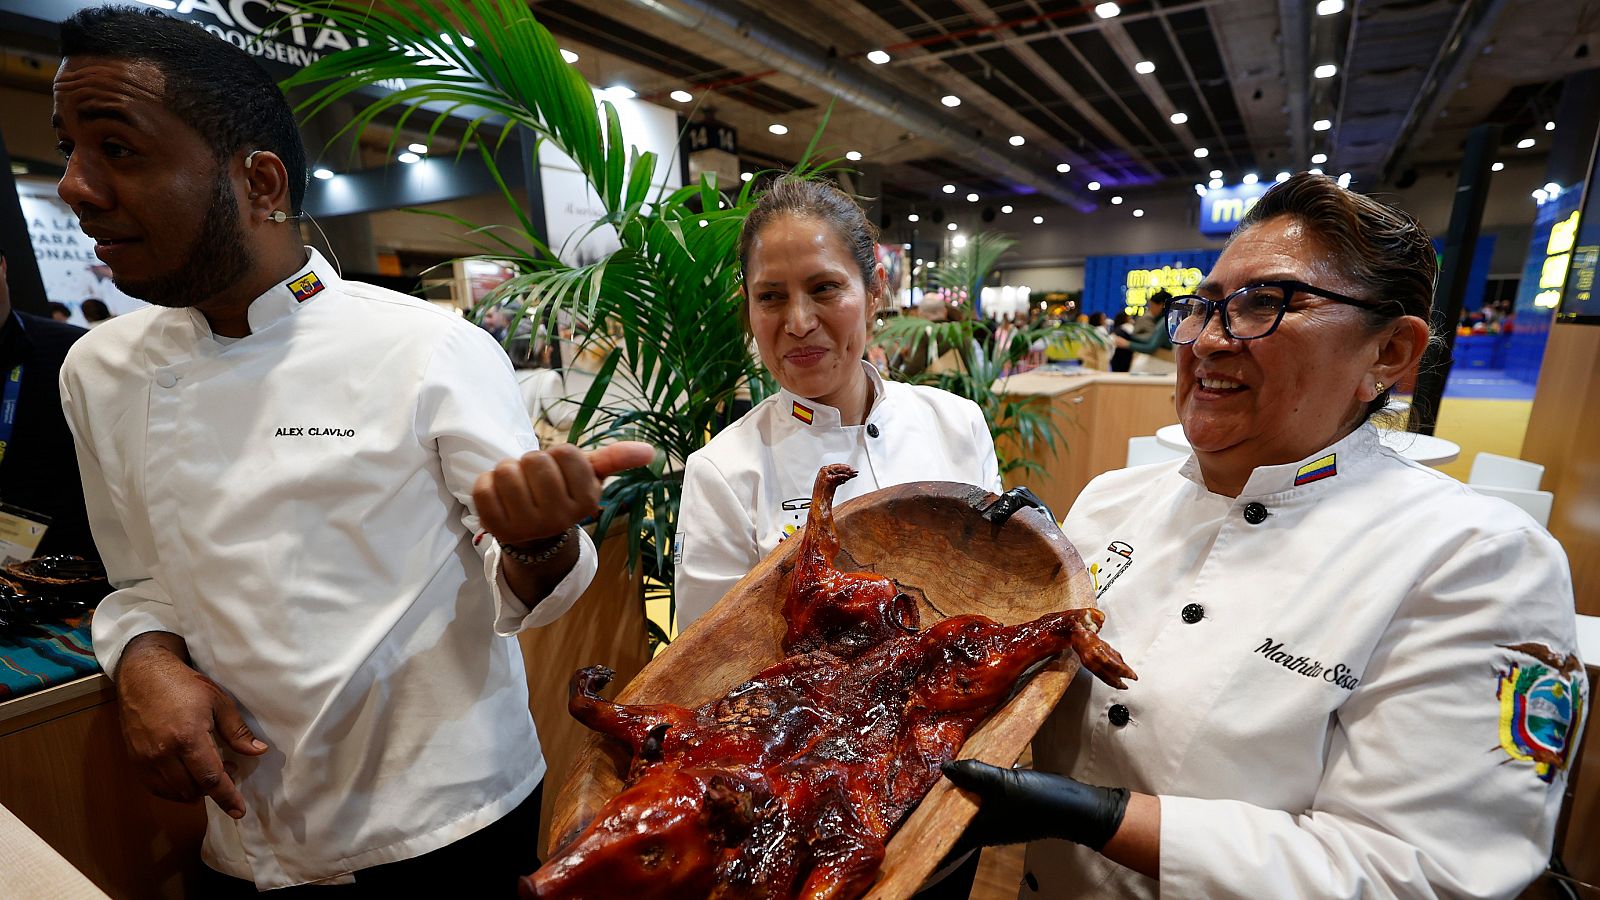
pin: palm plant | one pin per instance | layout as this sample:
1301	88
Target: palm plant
1022	427
669	295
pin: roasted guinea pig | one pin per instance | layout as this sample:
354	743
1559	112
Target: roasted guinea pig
791	784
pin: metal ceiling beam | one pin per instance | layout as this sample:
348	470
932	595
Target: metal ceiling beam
1015	39
1122	44
1296	45
759	37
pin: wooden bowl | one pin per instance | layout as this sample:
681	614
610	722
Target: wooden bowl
932	538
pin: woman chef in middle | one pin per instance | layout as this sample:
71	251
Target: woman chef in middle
812	283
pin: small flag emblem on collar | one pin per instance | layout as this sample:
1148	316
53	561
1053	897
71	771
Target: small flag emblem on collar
306	286
802	412
1316	470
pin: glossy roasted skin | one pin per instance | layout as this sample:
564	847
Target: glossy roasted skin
791	784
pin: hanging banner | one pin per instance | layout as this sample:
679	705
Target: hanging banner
71	271
1222	209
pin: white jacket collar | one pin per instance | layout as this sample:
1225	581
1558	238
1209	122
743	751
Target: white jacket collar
1321	466
288	296
806	412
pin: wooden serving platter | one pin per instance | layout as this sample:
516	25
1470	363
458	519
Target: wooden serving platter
932	538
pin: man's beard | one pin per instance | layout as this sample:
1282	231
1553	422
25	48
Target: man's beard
216	261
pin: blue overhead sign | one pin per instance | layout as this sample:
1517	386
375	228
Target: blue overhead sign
1221	209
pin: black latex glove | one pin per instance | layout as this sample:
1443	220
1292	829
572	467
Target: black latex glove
1020	805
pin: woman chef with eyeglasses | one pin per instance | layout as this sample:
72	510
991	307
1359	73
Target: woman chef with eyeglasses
1356	676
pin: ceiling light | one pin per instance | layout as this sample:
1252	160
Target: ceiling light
1179	118
949	189
1525	143
1038	220
408	157
682	96
951	226
1107	10
1552	189
1344	180
1116	201
950	100
1214	183
1321	125
853	156
878	56
1144	67
1201	153
1006	209
1539	194
1094	185
958	241
322	173
1497	167
919	260
1063	168
1018	140
619	92
745	176
1318	159
1282	177
1314	171
1215	173
704	223
569	56
778	128
1330	7
1326	70
914	218
1200	189
972	198
1549	126
1138	214
417	148
1251	178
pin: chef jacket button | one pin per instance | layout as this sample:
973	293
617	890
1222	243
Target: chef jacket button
872	431
166	379
1118	714
1193	613
1255	513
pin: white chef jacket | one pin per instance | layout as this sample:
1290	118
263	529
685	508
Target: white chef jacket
1328	718
750	487
297	506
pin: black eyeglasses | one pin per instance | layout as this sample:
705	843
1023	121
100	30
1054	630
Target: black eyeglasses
1251	312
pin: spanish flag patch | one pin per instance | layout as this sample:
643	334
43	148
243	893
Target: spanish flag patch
306	286
802	412
1317	470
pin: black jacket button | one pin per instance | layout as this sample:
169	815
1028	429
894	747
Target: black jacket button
1193	613
872	431
1118	714
1255	513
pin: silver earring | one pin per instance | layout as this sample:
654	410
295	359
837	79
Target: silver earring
1379	386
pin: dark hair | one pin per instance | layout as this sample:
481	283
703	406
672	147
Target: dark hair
1097	319
58	308
1162	297
94	310
214	87
1381	249
813	198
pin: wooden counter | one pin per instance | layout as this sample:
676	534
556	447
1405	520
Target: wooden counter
1097	413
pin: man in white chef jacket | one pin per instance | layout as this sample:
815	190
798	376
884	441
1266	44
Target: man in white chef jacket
320	502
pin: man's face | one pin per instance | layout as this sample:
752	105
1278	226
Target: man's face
164	213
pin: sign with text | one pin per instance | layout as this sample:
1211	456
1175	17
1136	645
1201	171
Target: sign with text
71	271
1221	209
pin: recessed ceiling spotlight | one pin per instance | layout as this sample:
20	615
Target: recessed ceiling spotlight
1539	194
1281	177
1018	140
1006	209
1314	171
1214	183
1200	189
949	189
1038	220
853	156
619	92
1330	7
914	218
1107	10
1549	126
1321	125
569	56
1144	67
1215	173
1138	214
1318	159
1344	180
950	100
1326	70
322	173
1251	178
778	128
408	158
972	198
1497	167
1094	185
1525	143
878	56
951	226
1063	168
746	176
1116	201
1201	153
682	96
417	148
1179	118
1552	189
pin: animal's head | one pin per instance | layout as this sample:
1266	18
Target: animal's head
662	837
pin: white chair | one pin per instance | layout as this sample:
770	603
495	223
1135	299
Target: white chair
1505	471
1534	503
1144	450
